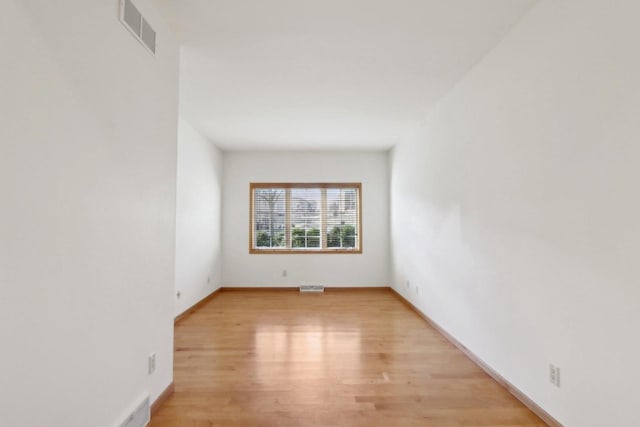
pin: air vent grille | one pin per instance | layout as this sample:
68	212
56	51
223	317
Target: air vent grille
132	17
140	416
307	287
137	25
148	36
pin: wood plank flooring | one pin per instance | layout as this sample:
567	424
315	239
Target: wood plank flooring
342	358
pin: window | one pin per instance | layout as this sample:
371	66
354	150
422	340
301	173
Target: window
305	218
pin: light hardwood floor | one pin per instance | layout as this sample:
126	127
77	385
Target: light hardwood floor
342	358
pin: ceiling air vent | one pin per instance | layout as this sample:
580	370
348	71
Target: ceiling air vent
137	25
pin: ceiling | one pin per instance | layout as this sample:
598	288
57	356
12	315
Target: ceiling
330	74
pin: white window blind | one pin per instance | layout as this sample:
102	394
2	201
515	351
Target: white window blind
305	218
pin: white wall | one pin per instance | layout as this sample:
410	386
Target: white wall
367	269
515	210
88	125
198	217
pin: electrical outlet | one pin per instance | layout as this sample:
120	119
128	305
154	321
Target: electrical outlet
209	279
554	375
152	363
284	273
408	284
417	289
178	294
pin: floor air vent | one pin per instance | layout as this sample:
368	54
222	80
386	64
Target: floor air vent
133	20
305	287
140	416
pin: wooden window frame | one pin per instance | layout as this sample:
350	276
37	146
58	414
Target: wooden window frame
288	186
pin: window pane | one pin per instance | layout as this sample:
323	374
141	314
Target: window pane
342	218
269	218
306	204
306	218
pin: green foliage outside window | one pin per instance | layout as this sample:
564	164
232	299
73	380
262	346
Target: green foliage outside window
298	238
342	237
263	239
339	237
